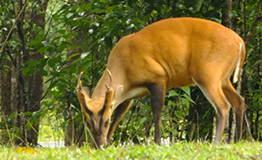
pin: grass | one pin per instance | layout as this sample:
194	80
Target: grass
182	150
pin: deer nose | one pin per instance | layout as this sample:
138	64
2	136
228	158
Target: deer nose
100	142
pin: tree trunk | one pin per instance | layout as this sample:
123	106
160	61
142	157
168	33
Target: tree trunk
226	14
5	83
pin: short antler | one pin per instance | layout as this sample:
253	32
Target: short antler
79	82
82	96
111	83
109	94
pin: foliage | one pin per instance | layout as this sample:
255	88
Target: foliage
79	36
51	128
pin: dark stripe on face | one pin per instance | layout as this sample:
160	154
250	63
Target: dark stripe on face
87	110
103	109
100	113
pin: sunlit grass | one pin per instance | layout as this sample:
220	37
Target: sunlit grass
182	150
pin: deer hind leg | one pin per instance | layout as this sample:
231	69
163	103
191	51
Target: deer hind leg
212	90
237	102
157	94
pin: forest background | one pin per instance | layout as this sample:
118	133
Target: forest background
44	45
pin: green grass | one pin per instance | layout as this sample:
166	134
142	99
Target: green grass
183	151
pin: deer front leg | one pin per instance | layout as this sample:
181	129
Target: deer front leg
120	111
157	94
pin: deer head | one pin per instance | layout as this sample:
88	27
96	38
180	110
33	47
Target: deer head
98	112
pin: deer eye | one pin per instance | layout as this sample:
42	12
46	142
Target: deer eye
107	122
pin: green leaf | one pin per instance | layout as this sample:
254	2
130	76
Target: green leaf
170	103
197	4
100	41
86	7
189	99
108	41
25	71
143	120
73	55
186	102
42	63
172	93
63	46
186	90
32	63
179	113
84	55
53	61
43	72
45	43
33	43
62	31
69	15
173	130
42	50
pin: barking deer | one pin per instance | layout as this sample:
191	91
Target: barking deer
174	52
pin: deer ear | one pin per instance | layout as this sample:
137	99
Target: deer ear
87	91
119	90
110	98
83	97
